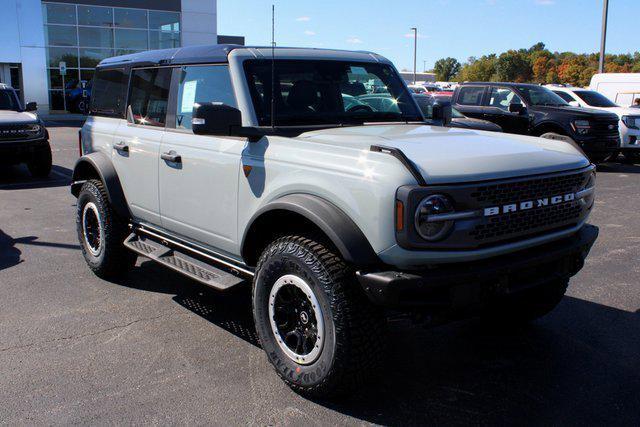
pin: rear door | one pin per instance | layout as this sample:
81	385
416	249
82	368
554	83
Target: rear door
468	100
136	144
497	110
199	184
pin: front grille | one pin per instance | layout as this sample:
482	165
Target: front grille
604	129
16	132
528	222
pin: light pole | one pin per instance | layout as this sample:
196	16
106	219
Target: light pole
424	65
603	40
415	52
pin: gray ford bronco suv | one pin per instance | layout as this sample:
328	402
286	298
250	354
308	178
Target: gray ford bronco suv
291	171
23	136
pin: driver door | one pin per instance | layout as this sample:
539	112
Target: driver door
497	110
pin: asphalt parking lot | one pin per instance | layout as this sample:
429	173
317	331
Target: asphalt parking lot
158	348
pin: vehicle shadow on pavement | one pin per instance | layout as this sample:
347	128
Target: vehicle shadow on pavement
578	365
19	178
623	167
9	254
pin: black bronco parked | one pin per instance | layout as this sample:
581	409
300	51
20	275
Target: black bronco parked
529	109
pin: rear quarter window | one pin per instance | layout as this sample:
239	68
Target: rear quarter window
109	91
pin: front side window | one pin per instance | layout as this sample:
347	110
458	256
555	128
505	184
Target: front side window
199	84
109	89
328	92
470	95
594	99
502	97
150	95
564	95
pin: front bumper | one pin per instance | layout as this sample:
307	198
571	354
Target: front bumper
598	144
463	284
21	151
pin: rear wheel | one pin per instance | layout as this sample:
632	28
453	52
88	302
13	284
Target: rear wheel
527	305
40	163
319	331
101	233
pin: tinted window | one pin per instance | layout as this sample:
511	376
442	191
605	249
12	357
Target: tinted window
564	95
130	18
95	37
8	100
108	93
164	21
61	35
132	39
594	99
59	13
95	15
538	95
328	92
149	95
470	95
500	97
202	84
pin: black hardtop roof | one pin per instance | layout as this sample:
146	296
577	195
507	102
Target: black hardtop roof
205	54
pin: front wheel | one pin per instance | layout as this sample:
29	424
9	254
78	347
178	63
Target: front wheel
319	331
40	163
101	233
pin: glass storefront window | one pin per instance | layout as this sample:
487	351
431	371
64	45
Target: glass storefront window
164	21
57	13
95	37
66	54
61	35
131	18
132	39
87	75
95	15
89	57
56	101
163	39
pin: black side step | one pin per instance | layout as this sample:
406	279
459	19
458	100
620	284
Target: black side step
182	263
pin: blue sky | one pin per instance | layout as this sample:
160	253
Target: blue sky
457	28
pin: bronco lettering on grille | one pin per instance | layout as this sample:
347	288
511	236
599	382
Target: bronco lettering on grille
529	204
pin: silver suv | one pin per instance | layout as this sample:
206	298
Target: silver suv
293	172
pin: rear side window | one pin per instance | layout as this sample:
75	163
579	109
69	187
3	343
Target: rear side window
470	95
199	84
109	90
564	95
150	95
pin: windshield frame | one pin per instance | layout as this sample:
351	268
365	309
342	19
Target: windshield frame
524	92
17	106
260	102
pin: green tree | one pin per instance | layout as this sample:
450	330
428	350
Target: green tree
514	66
478	69
446	69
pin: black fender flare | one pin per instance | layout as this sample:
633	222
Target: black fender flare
343	232
101	164
549	124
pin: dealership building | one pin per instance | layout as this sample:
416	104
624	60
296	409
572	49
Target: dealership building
48	48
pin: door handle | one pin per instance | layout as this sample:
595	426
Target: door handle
171	156
121	146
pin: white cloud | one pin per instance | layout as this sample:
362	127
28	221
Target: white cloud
354	40
303	19
545	2
310	33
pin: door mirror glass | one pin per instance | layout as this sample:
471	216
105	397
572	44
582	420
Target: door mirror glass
31	106
213	118
442	112
516	108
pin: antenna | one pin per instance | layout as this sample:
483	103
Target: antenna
273	66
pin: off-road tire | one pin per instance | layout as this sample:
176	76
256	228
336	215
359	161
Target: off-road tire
355	330
40	163
113	259
528	305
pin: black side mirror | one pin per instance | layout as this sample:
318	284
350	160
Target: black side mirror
31	106
213	118
517	108
442	112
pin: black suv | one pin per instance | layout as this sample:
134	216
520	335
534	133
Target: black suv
530	109
23	137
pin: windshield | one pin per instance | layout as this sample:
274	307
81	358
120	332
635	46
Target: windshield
594	99
538	95
425	102
8	100
311	93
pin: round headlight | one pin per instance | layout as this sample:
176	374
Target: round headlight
428	225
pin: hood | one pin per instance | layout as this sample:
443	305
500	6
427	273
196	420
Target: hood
621	111
575	111
469	123
11	117
449	155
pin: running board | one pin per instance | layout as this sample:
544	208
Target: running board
182	263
